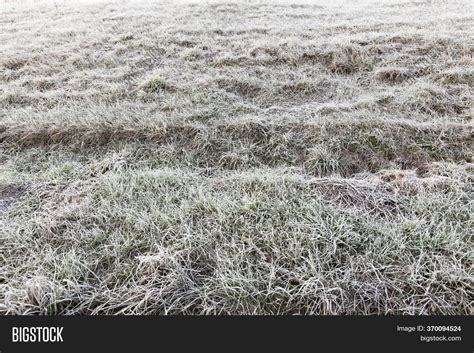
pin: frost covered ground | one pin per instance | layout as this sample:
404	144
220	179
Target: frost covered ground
236	157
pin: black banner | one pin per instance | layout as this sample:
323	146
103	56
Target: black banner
125	334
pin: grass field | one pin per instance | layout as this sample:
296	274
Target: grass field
236	157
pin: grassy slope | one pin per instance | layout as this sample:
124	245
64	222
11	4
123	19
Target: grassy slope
236	158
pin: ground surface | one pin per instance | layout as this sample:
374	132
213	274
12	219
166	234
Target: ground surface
236	158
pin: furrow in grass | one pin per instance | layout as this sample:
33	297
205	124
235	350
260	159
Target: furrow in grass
321	149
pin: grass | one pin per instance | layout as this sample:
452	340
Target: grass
236	158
